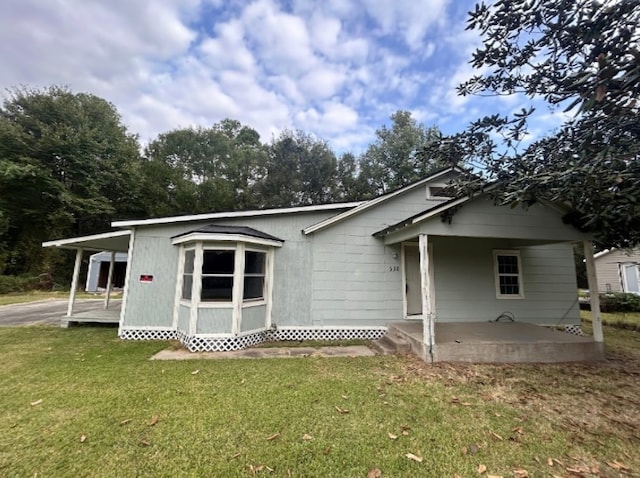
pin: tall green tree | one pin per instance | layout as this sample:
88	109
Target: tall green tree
392	161
299	170
196	170
581	56
67	167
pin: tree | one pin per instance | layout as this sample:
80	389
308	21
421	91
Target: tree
67	167
579	55
300	170
392	161
196	170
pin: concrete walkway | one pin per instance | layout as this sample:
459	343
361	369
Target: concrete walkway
268	352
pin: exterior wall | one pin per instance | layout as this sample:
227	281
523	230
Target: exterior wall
151	304
213	320
184	313
465	284
253	318
607	269
357	280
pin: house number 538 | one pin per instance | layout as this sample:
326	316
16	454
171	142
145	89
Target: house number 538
394	268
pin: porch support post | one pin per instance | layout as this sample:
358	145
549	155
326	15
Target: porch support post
110	279
428	329
594	294
74	282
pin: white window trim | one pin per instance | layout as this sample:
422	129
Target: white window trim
496	276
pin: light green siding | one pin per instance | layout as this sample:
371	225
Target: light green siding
184	313
253	318
465	283
357	280
214	320
608	268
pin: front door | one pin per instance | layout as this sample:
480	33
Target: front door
412	280
630	278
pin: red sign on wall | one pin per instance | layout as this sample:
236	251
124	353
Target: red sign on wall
146	278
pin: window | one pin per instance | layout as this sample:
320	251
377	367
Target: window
187	276
254	267
217	275
508	274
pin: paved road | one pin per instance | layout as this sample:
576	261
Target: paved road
44	311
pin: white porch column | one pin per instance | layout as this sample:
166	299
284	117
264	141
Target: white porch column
428	328
110	279
74	282
594	293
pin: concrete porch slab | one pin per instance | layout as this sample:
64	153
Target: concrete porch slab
268	352
502	342
97	315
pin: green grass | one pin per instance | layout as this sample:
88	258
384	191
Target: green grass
623	320
23	297
57	385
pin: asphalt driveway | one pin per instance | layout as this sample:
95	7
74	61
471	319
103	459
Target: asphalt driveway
44	311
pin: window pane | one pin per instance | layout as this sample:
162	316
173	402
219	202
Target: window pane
187	282
218	262
189	257
509	285
217	289
254	262
507	264
253	288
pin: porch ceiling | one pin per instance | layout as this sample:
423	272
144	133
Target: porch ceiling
117	241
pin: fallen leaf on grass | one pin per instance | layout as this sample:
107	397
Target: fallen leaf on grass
494	476
235	455
344	397
392	436
482	468
154	420
83	438
195	372
306	436
550	461
413	457
145	443
342	410
520	473
405	433
255	469
125	421
37	402
374	473
496	436
273	437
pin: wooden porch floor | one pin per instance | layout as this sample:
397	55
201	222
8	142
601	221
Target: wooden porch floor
99	315
500	342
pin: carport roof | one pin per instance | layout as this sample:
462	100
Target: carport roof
117	241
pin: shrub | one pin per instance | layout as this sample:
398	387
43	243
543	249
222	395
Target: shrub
18	283
619	302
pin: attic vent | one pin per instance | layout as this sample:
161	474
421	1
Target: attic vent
436	192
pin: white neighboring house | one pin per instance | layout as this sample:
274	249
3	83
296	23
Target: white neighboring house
98	272
618	270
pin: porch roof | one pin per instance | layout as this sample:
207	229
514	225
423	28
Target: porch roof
116	241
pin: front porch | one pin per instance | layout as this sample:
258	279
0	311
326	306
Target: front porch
497	342
96	314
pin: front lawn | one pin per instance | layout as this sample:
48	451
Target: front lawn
35	295
81	402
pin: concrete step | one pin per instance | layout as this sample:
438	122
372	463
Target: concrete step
391	344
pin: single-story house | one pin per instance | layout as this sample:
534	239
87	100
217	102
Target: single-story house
618	270
229	280
98	271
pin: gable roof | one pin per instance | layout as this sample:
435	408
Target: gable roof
380	199
234	214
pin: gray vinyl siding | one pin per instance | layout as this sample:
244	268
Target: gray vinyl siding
153	253
357	281
608	270
214	320
465	282
253	318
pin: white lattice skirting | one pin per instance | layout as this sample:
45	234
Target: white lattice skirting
574	330
226	344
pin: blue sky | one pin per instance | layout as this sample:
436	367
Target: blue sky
335	68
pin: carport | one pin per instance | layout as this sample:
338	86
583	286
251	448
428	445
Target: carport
113	242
